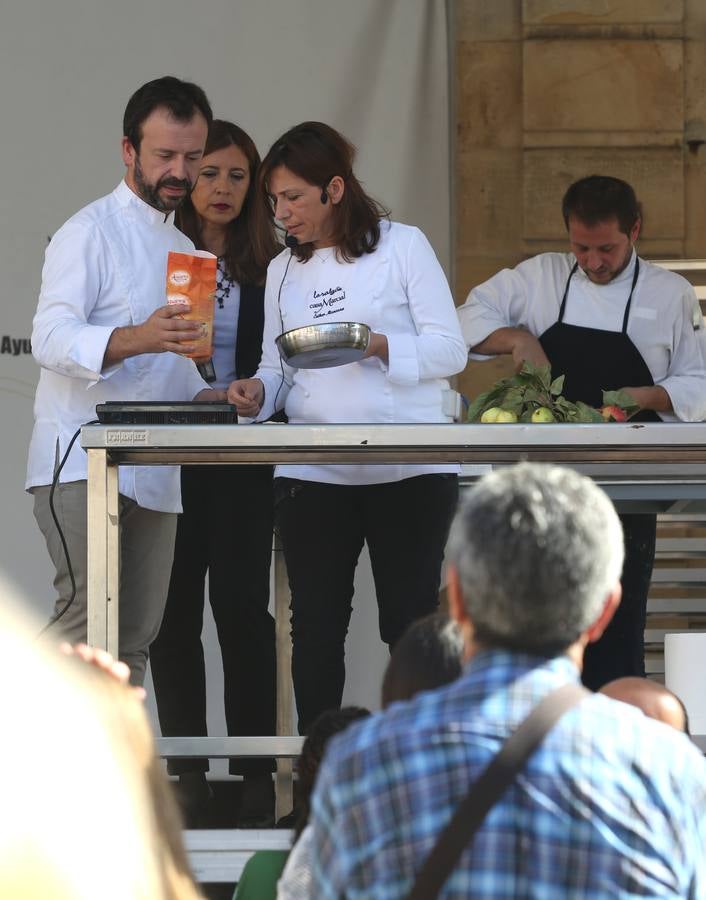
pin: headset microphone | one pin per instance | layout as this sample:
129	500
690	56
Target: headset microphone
290	242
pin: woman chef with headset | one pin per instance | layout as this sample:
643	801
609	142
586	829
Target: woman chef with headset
345	262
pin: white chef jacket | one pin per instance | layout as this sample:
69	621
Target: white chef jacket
104	268
399	290
665	322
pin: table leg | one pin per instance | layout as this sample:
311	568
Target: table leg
284	795
103	552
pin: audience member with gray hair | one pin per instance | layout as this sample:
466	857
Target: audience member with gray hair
535	560
537	553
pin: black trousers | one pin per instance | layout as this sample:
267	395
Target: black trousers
621	650
225	530
323	528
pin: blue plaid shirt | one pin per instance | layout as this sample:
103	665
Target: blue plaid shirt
612	804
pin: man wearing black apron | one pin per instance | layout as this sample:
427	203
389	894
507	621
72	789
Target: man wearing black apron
574	312
593	360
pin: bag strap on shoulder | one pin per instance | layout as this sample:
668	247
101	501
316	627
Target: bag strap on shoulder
489	788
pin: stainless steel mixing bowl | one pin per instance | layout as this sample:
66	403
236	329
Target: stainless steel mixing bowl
324	346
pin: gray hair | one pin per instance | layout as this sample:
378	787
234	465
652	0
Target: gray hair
538	549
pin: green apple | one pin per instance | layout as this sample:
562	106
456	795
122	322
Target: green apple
505	416
491	415
543	414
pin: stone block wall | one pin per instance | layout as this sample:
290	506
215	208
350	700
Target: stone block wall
548	91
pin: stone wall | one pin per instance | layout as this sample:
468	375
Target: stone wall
550	90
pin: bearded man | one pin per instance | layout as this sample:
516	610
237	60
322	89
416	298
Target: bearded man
102	331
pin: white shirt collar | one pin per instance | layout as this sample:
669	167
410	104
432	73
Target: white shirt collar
127	197
625	275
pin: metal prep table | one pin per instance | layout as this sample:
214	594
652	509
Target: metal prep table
643	467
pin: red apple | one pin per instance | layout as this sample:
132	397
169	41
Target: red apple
614	414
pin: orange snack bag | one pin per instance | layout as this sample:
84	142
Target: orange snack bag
191	278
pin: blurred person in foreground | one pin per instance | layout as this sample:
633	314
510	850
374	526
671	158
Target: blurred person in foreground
655	700
100	822
535	560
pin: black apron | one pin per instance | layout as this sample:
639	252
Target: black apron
593	360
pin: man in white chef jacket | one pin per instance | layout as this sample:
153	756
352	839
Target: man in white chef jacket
102	331
606	320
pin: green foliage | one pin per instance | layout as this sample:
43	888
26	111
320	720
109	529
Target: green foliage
532	387
621	399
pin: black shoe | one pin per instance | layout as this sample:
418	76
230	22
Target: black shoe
288	821
257	806
195	797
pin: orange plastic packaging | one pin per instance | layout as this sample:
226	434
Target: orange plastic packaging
191	278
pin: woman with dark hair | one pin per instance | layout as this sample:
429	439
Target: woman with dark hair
260	876
345	262
427	656
226	526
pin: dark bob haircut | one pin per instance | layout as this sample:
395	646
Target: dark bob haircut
316	152
599	198
427	656
182	98
320	732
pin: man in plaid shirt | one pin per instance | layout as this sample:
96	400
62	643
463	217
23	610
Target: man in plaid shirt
612	804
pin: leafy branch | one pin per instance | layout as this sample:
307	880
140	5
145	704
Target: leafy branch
532	388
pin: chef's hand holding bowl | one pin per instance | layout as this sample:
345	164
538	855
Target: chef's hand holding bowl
377	346
248	394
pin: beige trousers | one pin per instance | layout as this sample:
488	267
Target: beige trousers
146	554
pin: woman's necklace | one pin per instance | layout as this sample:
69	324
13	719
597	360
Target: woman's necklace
324	253
223	283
